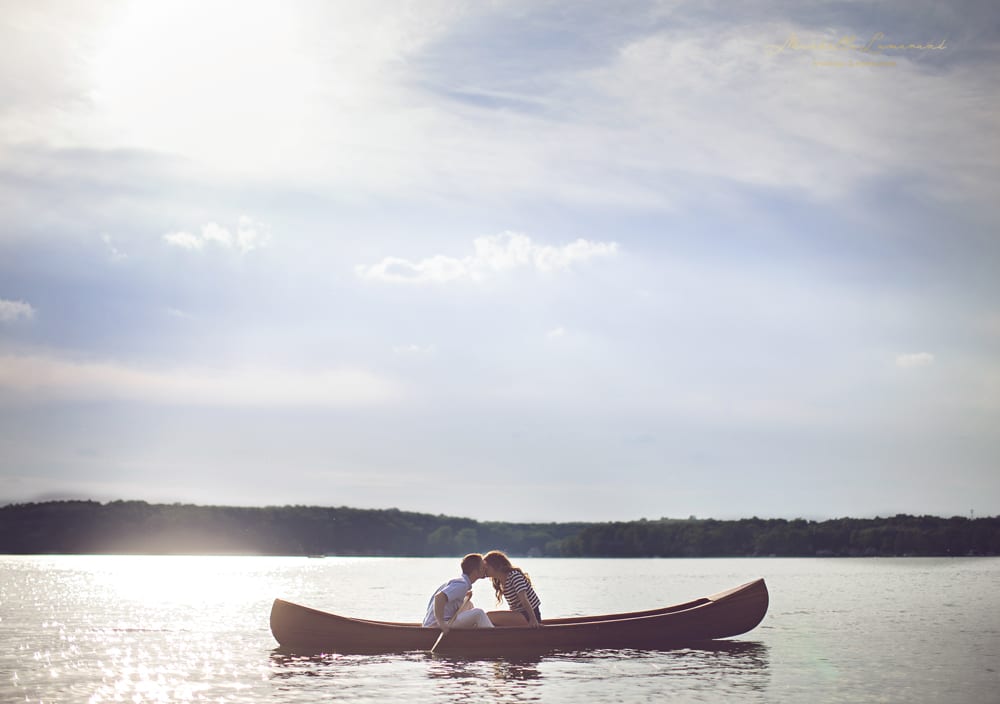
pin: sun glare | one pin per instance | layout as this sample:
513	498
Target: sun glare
200	77
176	579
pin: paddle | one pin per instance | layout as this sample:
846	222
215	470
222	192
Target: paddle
451	621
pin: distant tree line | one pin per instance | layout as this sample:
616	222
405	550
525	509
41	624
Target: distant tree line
137	527
842	537
70	527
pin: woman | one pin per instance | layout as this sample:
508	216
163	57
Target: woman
515	587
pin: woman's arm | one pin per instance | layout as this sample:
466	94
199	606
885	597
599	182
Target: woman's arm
522	599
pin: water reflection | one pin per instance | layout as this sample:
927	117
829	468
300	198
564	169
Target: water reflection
289	665
517	679
452	679
745	664
514	669
517	670
712	669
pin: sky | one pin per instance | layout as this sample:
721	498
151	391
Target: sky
518	261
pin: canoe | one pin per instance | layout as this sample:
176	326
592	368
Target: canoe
723	615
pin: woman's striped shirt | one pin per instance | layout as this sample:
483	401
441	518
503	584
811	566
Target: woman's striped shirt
515	582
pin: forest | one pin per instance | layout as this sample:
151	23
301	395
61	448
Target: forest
137	527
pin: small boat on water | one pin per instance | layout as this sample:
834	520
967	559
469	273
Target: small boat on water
723	615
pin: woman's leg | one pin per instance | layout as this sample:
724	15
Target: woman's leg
507	619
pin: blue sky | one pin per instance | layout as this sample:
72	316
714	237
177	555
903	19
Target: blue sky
512	260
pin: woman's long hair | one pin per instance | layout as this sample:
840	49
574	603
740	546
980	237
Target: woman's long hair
501	563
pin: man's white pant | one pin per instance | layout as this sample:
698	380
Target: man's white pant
472	618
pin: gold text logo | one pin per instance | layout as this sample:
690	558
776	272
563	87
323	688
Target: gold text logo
878	44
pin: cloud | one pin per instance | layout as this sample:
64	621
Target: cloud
42	378
687	95
249	236
413	349
13	310
217	234
616	110
184	240
556	333
116	254
491	255
178	313
914	359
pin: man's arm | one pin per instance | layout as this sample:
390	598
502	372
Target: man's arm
440	601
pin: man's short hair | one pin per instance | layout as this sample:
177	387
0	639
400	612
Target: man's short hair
471	562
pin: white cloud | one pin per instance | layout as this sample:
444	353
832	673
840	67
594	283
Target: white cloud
672	107
213	232
116	254
914	359
556	333
412	350
184	240
179	314
40	378
249	236
492	255
13	310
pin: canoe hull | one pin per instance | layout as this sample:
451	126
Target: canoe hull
724	615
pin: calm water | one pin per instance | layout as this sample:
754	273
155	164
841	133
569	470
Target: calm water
194	629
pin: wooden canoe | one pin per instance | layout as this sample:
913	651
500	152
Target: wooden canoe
723	615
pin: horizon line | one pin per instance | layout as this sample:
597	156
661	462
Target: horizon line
690	518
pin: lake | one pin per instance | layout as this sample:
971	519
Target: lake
195	629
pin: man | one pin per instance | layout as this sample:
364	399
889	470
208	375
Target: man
448	599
